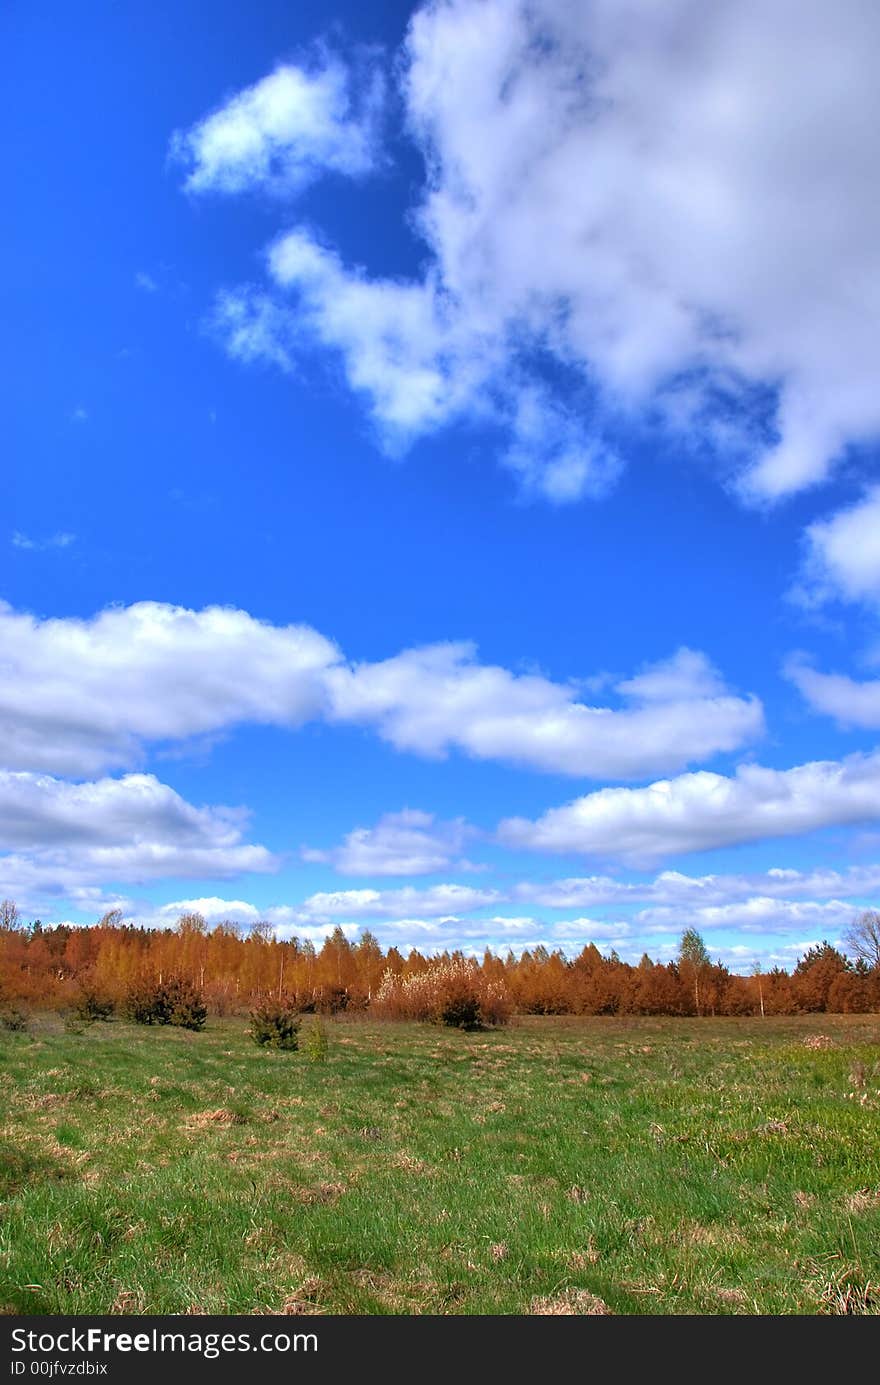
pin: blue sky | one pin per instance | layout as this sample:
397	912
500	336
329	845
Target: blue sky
440	470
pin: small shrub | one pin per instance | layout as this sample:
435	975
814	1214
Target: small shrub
184	1005
13	1020
74	1025
316	1042
460	1012
92	1006
275	1024
173	1001
146	1002
332	1000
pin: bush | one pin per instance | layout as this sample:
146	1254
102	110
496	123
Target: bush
185	1005
92	1006
145	1002
316	1044
13	1020
173	1001
460	1012
275	1024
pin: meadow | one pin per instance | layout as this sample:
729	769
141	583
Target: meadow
557	1166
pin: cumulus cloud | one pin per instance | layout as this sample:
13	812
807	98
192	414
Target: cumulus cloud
406	843
286	129
433	699
38	810
675	204
60	838
842	561
81	696
695	812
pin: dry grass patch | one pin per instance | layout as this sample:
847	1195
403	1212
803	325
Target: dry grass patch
579	1260
571	1303
319	1193
203	1120
306	1301
863	1201
128	1301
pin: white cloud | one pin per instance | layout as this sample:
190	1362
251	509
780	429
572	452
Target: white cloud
676	203
38	810
695	812
433	699
687	676
283	131
253	328
850	702
24	541
62	837
80	696
405	843
843	555
672	887
212	909
433	902
145	282
760	914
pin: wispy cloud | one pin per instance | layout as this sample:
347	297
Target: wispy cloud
30	545
410	842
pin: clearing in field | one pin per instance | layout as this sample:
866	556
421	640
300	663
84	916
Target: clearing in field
591	1166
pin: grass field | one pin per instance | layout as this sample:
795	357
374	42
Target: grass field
559	1166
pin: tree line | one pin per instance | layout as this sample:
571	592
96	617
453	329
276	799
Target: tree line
232	969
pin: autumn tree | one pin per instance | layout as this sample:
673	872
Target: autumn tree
814	975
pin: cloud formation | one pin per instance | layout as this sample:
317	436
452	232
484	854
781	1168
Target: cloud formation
406	843
756	915
851	702
81	696
675	204
674	888
60	838
695	812
285	130
435	901
437	698
842	560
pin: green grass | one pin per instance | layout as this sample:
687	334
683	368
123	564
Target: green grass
652	1166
